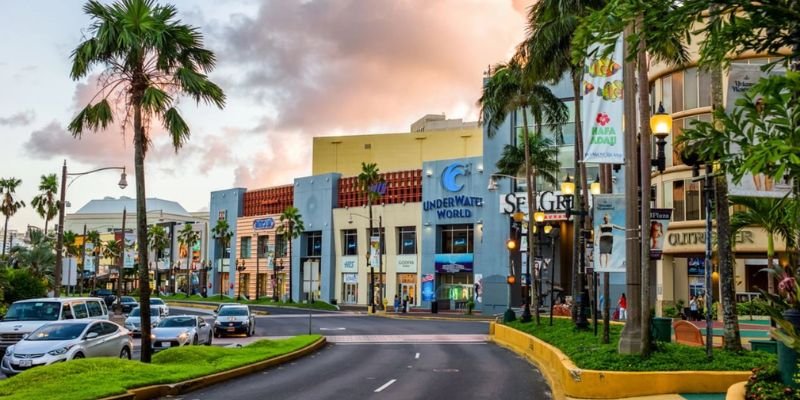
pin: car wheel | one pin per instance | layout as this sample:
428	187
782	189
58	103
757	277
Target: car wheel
194	341
217	334
208	343
78	355
125	354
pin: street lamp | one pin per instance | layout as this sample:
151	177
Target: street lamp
240	267
123	183
661	126
568	190
595	187
511	245
371	295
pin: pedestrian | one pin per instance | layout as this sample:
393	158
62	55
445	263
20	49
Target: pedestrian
693	308
405	304
623	307
601	311
396	303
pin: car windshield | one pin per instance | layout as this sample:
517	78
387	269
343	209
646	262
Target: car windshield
57	332
128	300
137	312
232	312
34	311
178	322
157	301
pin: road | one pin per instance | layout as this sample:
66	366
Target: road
372	357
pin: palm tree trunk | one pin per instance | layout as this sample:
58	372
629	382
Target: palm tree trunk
189	269
45	226
770	263
643	87
578	154
526	315
5	235
141	228
289	276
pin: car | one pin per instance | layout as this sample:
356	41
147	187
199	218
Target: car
156	302
104	294
133	321
128	303
181	330
25	316
234	319
67	340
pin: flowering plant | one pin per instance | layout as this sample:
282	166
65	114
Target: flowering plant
784	306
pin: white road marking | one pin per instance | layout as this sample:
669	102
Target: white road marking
416	357
332	329
385	385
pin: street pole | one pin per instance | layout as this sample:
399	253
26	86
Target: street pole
121	261
709	191
552	273
60	233
382	279
371	296
258	258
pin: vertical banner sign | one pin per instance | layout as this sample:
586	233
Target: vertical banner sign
129	249
659	222
741	78
374	251
609	232
88	258
602	107
428	292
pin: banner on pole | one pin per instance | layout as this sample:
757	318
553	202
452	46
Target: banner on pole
609	232
129	249
659	222
88	257
374	251
602	108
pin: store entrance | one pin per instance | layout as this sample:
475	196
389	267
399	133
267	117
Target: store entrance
454	290
407	287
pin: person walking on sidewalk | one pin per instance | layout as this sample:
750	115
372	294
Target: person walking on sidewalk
396	303
623	307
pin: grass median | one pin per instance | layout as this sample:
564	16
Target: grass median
316	305
588	352
94	378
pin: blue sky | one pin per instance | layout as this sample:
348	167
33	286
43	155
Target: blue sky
291	70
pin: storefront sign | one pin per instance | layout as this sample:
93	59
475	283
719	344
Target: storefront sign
349	263
350	278
603	107
452	263
659	222
699	237
406	263
449	175
554	204
263	223
453	206
609	233
407	278
428	291
374	251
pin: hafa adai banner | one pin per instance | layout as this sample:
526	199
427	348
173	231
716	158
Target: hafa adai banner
742	77
602	107
374	251
659	222
609	233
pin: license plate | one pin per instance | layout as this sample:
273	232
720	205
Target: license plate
231	329
166	344
25	363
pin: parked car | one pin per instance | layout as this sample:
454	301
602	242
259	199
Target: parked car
105	294
156	302
25	316
133	321
234	319
67	340
181	330
128	303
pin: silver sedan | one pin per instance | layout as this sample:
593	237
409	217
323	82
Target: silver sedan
181	330
67	340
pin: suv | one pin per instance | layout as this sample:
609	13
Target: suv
233	319
25	316
105	294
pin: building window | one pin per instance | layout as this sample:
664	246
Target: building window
456	239
407	240
244	252
263	246
678	203
688	201
349	242
376	232
314	244
280	245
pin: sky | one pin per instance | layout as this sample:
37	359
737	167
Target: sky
291	70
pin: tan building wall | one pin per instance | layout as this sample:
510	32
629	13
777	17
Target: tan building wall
394	216
393	151
260	264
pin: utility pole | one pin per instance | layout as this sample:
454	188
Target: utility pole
121	262
59	233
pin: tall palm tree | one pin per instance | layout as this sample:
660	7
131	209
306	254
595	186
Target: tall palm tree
158	240
45	202
222	232
291	227
112	249
8	204
188	237
368	179
149	58
71	248
511	88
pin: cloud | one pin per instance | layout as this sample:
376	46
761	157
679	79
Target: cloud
285	157
22	118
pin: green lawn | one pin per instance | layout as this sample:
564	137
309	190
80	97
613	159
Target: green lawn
587	351
317	305
100	377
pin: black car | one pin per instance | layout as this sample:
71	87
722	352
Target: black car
105	294
128	303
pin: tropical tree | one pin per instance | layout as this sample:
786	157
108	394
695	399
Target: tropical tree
9	205
149	58
188	237
291	228
158	240
45	202
222	232
39	257
71	248
543	159
368	181
508	90
112	249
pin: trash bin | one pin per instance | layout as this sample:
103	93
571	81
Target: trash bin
434	307
662	329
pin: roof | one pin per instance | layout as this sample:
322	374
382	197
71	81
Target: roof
110	205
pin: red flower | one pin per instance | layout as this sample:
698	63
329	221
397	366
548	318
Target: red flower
602	119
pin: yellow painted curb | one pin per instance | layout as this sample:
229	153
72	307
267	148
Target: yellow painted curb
737	391
567	380
174	389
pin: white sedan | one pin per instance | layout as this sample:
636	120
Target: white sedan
67	340
181	330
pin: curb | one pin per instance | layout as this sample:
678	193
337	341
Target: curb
427	318
178	388
567	380
252	306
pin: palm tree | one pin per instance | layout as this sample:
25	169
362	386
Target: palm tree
112	249
188	237
39	257
158	240
291	228
8	205
509	89
222	232
150	58
45	202
71	248
368	180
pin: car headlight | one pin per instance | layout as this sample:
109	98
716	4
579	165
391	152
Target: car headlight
59	351
217	323
152	336
183	337
246	322
10	351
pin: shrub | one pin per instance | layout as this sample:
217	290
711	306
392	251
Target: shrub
754	307
766	384
21	284
670	312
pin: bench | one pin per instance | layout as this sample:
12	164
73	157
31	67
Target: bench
687	333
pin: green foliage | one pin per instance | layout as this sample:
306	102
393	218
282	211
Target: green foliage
543	156
671	312
370	176
291	223
45	202
21	284
754	307
588	352
765	384
94	378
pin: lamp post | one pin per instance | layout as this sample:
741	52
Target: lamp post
240	267
581	297
661	126
123	183
371	294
